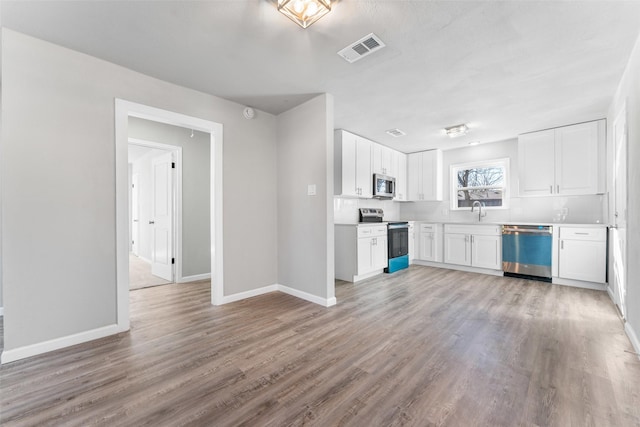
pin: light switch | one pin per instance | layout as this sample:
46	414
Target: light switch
311	190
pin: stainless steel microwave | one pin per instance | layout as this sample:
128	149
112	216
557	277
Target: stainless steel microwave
384	187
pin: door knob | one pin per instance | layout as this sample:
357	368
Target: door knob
152	222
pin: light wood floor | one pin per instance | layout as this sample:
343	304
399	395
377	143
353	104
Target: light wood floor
140	274
422	347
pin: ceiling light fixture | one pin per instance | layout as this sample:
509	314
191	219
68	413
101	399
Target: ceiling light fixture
457	130
304	12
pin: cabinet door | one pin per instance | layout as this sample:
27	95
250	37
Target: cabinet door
364	177
365	246
400	175
432	175
457	249
427	247
387	161
486	252
379	253
414	176
349	153
583	260
576	153
536	164
376	158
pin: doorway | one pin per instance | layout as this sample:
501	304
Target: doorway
154	203
124	110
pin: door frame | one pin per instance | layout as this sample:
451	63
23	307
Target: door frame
176	192
615	292
123	110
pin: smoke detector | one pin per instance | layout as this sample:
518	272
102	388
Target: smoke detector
363	47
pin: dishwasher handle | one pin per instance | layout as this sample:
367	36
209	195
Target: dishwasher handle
527	229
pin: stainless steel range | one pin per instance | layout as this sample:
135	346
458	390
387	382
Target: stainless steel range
397	238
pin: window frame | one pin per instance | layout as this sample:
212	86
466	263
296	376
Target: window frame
453	181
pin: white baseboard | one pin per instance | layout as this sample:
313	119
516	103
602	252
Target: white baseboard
1	311
579	284
58	343
194	278
635	342
468	269
325	302
248	294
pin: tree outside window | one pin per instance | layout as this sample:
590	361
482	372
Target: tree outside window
484	182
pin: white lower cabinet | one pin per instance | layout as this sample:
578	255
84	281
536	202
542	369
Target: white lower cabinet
457	249
372	254
582	254
430	242
473	245
486	251
360	251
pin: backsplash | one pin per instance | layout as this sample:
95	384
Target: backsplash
567	209
345	210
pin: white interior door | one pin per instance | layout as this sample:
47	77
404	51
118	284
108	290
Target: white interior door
162	216
135	213
619	229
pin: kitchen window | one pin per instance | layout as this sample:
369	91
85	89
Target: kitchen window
484	181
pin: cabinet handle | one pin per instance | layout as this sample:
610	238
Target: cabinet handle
561	244
551	189
558	188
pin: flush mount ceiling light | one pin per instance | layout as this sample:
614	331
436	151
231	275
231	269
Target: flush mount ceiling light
457	130
304	12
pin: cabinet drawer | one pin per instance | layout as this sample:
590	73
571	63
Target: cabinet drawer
583	233
372	231
428	228
479	230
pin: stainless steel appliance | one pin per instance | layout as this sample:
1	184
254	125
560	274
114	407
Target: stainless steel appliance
384	187
371	215
397	239
526	251
398	243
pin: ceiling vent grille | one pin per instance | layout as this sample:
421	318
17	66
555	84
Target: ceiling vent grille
363	47
396	132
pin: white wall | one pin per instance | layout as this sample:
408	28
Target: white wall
581	209
629	91
305	223
196	242
58	187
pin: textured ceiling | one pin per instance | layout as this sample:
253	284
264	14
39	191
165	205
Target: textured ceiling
503	67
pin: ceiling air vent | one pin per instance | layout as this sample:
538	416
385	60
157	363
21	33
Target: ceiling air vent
396	132
363	47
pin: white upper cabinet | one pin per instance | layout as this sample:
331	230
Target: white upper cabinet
400	174
425	175
563	161
352	165
382	160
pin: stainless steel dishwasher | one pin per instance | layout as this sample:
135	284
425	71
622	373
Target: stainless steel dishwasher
526	251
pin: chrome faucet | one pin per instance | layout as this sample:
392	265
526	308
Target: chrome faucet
479	204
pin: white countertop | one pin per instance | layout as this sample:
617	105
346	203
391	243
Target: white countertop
555	224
